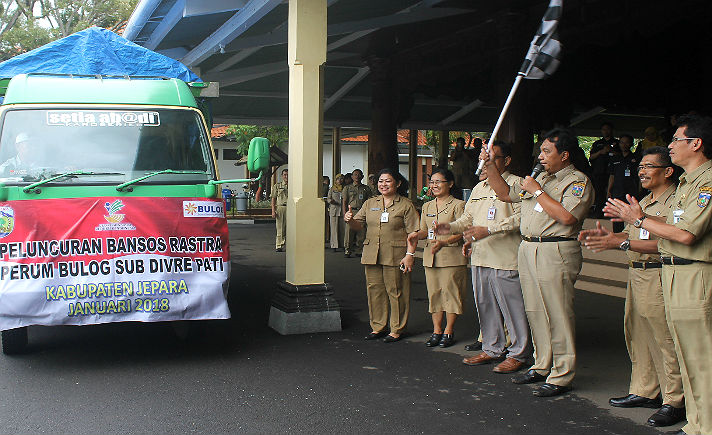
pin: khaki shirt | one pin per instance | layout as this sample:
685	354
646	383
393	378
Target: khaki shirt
447	211
386	242
500	249
692	203
333	195
356	195
658	209
279	191
571	188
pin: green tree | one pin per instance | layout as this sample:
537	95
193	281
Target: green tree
276	134
28	24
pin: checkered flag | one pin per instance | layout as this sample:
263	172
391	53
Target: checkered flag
542	59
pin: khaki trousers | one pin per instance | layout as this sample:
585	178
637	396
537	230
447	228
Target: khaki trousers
336	238
353	240
387	286
281	212
687	290
548	272
648	339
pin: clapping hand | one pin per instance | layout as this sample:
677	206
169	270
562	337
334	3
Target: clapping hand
621	211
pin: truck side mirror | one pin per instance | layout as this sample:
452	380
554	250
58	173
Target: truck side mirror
258	154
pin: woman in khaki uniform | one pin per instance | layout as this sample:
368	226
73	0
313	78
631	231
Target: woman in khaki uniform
333	198
388	255
445	266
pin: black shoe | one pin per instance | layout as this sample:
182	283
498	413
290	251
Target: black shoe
474	346
279	250
676	432
633	401
347	254
392	339
375	335
529	377
667	416
551	390
434	340
447	340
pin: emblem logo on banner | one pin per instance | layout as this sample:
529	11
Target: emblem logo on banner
7	221
203	209
114	218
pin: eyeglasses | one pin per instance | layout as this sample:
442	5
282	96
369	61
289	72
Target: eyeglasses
650	166
438	182
677	139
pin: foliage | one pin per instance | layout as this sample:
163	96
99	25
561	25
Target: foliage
243	134
28	24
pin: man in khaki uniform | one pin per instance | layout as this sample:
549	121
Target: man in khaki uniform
647	335
554	206
491	229
686	251
354	195
279	210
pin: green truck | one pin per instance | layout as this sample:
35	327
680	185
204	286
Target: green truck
110	209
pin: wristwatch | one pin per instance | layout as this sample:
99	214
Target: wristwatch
625	245
639	222
538	193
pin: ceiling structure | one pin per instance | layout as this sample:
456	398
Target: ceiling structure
450	62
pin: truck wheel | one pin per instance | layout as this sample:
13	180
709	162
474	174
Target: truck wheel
14	341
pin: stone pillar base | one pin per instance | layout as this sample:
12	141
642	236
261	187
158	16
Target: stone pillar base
303	309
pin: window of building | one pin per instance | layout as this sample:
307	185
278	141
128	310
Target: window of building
230	154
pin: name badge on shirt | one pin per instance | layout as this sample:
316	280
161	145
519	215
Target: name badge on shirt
430	215
491	212
384	216
375	208
538	208
627	172
644	234
677	215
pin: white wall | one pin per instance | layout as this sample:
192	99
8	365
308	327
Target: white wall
227	168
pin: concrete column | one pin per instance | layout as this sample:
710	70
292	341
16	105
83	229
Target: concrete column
336	153
413	164
443	148
382	145
303	303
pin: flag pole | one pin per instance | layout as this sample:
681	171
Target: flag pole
502	114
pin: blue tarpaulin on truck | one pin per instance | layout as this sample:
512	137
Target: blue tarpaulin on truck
96	51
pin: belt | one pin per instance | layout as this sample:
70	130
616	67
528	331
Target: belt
547	239
645	264
676	261
282	205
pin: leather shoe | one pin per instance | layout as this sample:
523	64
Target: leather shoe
667	416
481	358
375	335
676	432
447	340
529	377
391	339
474	346
434	340
634	401
509	365
551	390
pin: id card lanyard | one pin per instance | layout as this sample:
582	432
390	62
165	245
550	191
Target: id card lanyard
384	215
431	230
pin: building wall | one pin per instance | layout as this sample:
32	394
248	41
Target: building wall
227	168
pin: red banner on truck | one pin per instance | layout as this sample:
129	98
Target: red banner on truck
96	260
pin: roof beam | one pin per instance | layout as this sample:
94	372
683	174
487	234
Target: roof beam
169	21
253	11
586	115
462	112
343	90
371	24
195	8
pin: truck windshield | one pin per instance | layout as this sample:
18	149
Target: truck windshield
109	146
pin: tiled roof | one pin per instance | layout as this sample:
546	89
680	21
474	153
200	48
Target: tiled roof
218	131
403	137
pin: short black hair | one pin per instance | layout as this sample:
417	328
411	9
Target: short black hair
449	176
460	139
403	188
663	156
632	140
698	126
565	140
504	147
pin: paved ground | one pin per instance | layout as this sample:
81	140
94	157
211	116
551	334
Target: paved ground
240	376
